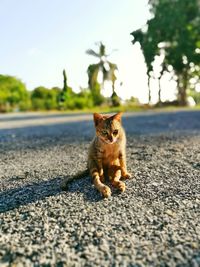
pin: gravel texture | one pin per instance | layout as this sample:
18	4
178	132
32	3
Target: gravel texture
155	222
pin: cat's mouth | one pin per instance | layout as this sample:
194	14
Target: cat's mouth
110	142
107	141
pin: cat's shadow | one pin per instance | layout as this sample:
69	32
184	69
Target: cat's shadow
87	189
84	187
26	194
33	192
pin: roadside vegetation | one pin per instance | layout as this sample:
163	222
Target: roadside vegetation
172	35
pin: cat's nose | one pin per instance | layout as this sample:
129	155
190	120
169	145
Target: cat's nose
110	138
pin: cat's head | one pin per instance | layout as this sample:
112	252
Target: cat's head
108	128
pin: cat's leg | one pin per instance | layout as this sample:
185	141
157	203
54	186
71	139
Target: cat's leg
101	187
122	161
115	175
101	172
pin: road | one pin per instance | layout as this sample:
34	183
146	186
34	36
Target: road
155	222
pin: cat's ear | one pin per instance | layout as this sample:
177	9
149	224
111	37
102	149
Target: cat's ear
97	118
117	116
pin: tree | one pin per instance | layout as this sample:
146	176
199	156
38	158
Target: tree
149	48
104	68
174	29
64	82
45	99
13	94
66	95
63	93
94	85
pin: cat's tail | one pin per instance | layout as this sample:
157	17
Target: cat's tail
68	179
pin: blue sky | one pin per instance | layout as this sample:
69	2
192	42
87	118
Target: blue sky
39	38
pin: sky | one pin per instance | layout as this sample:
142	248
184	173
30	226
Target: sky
40	38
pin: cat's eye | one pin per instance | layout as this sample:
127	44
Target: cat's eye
115	132
104	132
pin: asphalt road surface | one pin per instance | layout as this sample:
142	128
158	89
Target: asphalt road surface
155	222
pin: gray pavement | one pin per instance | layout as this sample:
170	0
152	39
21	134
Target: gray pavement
155	222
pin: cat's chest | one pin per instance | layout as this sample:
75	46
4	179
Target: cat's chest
111	152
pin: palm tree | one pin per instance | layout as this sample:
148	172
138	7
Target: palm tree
103	67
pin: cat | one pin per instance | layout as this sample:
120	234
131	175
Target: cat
107	155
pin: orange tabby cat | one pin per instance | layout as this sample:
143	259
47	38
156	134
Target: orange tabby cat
107	154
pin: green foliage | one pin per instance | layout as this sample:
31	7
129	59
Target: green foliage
132	101
66	99
115	100
173	31
196	96
92	72
84	99
69	100
45	99
13	94
97	97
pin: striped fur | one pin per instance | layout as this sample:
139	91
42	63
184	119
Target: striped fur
107	155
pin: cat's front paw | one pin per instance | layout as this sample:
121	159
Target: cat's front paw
126	175
106	192
121	186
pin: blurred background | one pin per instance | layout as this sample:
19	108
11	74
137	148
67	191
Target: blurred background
102	55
